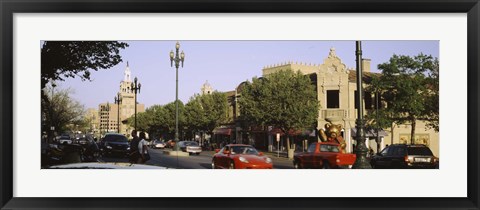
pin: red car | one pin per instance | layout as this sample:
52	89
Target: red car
323	155
240	156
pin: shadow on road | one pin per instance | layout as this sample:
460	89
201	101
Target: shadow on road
206	165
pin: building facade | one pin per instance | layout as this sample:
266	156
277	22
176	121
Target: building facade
336	92
113	116
92	117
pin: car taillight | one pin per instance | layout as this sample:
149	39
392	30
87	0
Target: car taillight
406	159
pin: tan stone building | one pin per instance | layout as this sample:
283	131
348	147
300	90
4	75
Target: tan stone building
336	91
92	117
112	115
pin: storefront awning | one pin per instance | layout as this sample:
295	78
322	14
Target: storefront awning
224	130
370	133
274	131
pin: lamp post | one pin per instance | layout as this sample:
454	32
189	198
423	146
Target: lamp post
377	139
52	126
136	87
361	150
118	101
175	57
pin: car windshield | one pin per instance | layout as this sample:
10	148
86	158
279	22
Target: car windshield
191	143
246	150
312	147
419	151
328	148
115	138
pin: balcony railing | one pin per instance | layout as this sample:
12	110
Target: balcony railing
333	114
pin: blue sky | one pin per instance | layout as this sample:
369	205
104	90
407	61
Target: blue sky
225	64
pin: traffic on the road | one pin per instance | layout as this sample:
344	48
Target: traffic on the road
115	151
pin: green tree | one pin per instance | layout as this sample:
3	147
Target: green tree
195	114
60	110
206	112
409	87
77	58
144	121
160	119
285	99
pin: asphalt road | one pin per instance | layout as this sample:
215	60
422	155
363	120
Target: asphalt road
202	161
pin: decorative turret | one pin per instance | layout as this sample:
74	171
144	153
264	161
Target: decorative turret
206	88
332	53
127	74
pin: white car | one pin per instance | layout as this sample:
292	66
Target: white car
190	146
158	145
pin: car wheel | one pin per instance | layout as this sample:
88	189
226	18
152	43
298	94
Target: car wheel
297	164
326	165
213	164
231	166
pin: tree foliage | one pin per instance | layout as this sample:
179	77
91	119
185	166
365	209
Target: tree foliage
201	113
410	87
285	99
206	112
160	119
60	110
77	58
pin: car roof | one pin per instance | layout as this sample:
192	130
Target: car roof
409	145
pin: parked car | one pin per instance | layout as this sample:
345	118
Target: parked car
323	155
191	147
65	139
405	156
157	144
115	144
56	153
104	165
91	152
240	156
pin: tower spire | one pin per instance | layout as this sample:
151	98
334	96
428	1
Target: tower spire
127	74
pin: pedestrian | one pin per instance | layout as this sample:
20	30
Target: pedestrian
143	149
134	155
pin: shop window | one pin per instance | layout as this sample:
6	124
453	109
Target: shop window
333	99
368	99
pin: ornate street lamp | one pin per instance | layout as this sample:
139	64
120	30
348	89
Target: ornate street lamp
361	150
136	87
175	57
118	101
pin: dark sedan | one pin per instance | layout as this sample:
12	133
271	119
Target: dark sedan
115	144
405	156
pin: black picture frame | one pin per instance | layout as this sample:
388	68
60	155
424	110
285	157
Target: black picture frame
10	7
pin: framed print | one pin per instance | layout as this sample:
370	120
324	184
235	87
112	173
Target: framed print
168	59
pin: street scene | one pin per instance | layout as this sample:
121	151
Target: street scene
240	105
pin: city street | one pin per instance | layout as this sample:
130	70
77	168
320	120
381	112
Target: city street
202	161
